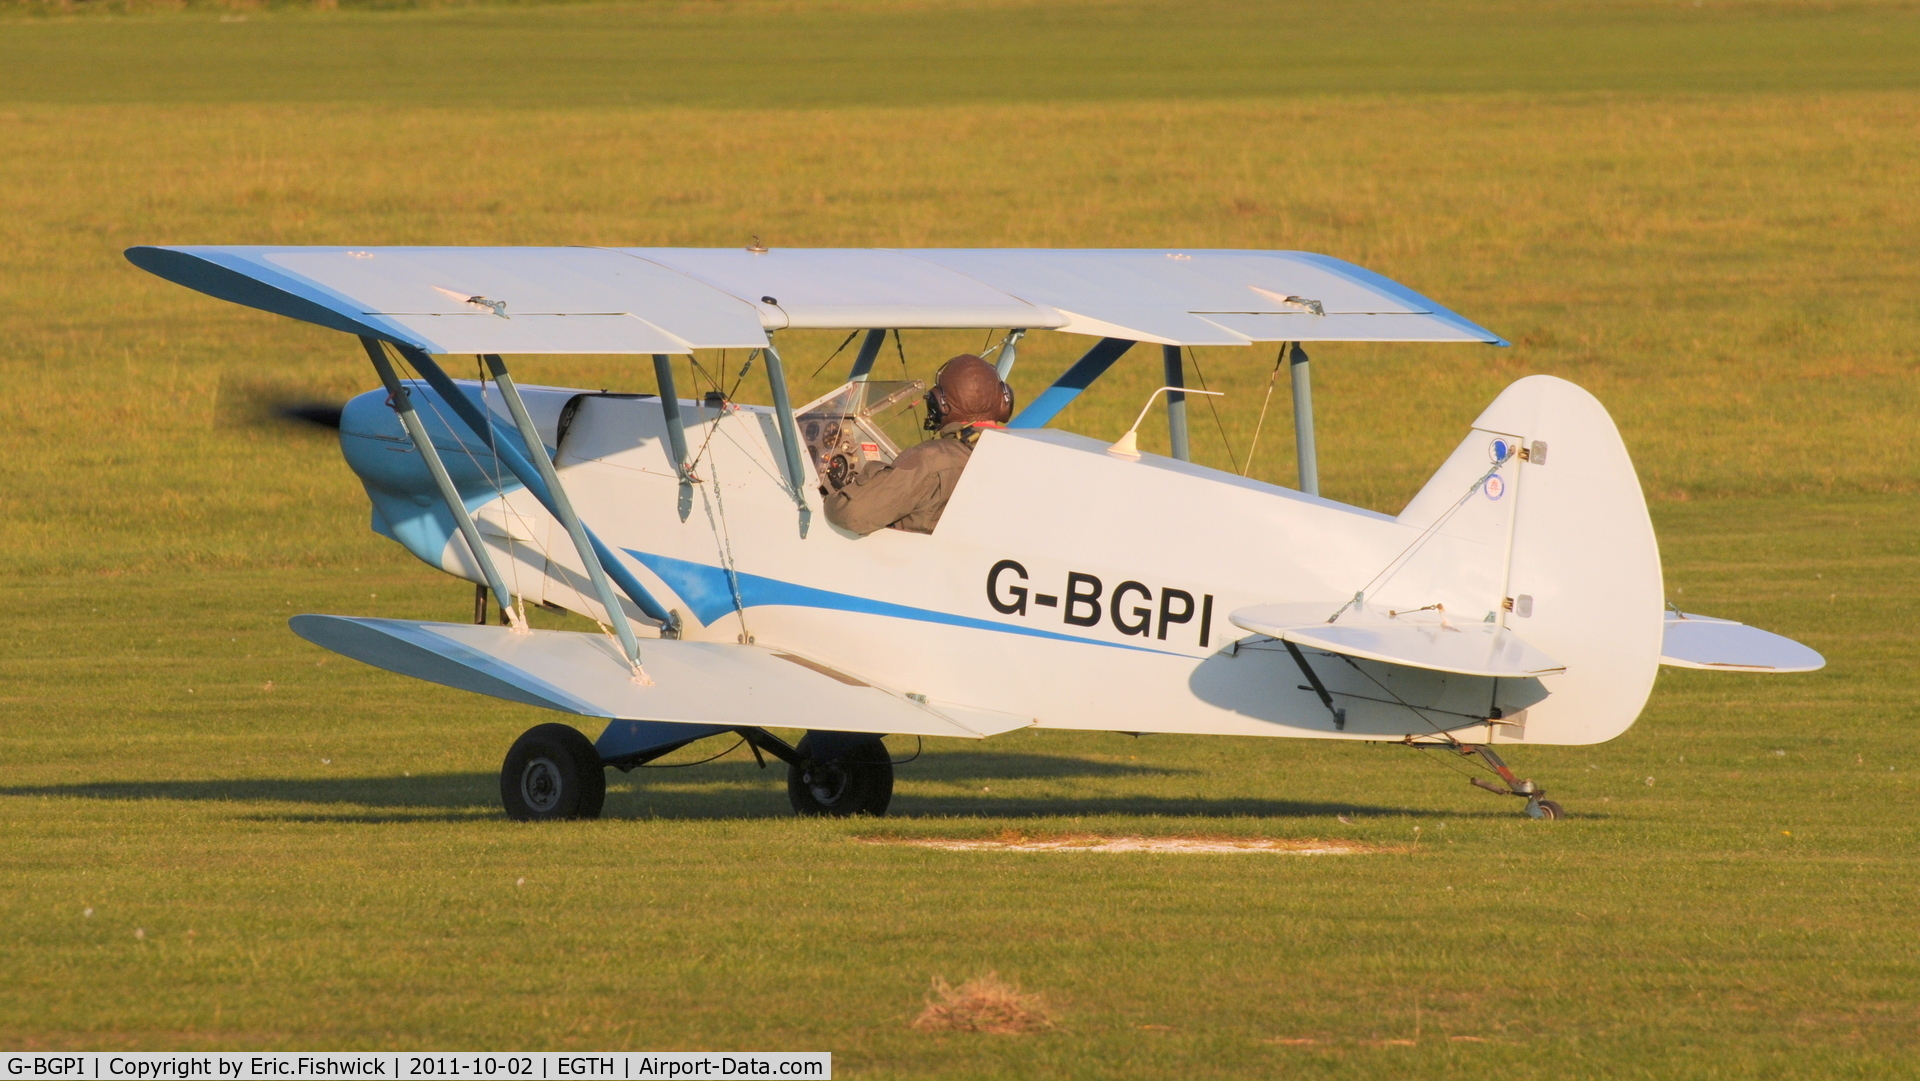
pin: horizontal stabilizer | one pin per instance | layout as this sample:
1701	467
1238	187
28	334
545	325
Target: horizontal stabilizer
1696	641
707	683
1424	639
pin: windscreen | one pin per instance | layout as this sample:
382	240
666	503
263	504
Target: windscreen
863	422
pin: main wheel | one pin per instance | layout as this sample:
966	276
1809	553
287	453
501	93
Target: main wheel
858	782
552	772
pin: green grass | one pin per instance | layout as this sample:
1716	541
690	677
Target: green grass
759	55
1702	214
1731	275
321	864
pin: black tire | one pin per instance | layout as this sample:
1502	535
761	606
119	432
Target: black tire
859	782
1551	811
552	772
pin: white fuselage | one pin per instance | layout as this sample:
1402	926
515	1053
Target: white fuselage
1065	586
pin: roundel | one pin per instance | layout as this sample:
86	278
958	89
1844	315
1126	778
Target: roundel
1495	487
1499	450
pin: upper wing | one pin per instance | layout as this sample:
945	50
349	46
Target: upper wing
473	300
673	300
1696	641
1211	296
1416	639
707	683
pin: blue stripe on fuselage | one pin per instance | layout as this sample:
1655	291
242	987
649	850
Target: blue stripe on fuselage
706	591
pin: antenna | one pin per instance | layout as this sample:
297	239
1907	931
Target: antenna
1128	445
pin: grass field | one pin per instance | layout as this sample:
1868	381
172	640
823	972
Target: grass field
1702	213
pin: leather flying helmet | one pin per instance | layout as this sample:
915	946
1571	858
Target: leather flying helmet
968	390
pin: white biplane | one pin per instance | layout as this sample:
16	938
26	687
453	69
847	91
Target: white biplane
1071	583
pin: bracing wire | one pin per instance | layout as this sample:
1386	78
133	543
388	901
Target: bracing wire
1447	763
843	345
698	369
696	372
714	503
579	597
905	373
499	489
712	430
1388	691
742	377
1451	741
1395	564
717	519
1214	409
1264	403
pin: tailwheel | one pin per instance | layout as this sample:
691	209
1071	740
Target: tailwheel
552	772
840	781
1538	806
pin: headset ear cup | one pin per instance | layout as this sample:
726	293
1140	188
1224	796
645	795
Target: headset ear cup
1006	400
936	409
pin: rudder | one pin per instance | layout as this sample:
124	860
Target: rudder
1576	573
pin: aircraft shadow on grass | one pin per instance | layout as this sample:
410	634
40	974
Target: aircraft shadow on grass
730	790
953	766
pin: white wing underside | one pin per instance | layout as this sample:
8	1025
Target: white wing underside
704	683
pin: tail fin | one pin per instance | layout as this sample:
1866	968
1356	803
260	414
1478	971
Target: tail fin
1540	521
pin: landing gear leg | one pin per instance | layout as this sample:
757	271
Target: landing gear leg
1538	806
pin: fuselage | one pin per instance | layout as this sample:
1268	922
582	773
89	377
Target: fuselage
1065	587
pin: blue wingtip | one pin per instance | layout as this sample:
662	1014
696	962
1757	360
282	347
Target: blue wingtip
233	274
1355	272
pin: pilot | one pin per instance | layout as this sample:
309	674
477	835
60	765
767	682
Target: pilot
909	494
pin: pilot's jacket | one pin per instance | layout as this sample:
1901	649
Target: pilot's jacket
909	494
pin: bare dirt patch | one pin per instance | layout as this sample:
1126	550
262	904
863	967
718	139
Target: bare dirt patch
983	1004
1096	843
